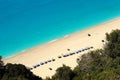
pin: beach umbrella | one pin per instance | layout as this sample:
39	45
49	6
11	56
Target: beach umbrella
89	34
53	59
103	41
50	68
67	54
35	66
79	50
64	55
85	48
68	49
31	68
59	57
91	47
49	60
71	54
45	62
88	47
41	63
82	49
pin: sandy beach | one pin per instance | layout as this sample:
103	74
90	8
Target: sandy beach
73	42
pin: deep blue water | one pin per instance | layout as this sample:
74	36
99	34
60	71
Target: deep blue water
27	23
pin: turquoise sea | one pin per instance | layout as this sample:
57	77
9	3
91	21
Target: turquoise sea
28	23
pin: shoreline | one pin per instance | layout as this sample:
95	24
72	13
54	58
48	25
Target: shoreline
74	41
67	35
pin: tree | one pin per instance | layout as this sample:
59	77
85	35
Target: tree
63	73
112	46
88	64
100	64
1	68
16	72
1	62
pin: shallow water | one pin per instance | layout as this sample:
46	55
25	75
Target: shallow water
27	23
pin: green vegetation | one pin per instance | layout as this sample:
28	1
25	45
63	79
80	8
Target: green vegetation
16	72
101	64
63	73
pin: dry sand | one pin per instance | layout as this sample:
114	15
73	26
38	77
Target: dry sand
74	42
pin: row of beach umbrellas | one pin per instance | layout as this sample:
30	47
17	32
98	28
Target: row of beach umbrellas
62	56
76	52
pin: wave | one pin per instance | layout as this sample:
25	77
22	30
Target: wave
52	40
66	36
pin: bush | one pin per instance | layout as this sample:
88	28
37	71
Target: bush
63	73
16	72
96	65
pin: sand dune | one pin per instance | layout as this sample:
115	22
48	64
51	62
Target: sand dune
73	42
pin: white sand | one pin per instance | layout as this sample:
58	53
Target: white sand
51	50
